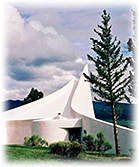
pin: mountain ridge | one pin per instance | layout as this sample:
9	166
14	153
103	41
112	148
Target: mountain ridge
10	104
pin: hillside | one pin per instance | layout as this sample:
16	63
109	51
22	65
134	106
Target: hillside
128	113
10	104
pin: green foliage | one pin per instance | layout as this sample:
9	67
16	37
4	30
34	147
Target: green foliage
109	84
89	142
35	140
96	144
33	96
132	150
27	154
66	148
60	148
72	138
75	149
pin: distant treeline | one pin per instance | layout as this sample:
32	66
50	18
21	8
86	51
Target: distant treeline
128	112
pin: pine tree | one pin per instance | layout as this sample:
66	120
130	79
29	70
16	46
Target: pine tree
132	48
109	84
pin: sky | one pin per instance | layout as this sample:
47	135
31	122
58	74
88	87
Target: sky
47	45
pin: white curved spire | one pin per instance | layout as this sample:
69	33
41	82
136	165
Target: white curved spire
82	100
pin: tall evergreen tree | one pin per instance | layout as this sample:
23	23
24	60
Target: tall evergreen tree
132	48
109	84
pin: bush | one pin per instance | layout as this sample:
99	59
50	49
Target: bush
75	149
132	150
60	148
72	138
35	140
96	144
66	148
89	142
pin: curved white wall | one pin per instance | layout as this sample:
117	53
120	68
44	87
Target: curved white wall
54	130
17	130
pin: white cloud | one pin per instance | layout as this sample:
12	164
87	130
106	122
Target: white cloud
31	45
14	26
47	79
45	16
36	24
48	48
32	40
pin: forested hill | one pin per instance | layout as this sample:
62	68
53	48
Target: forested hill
10	104
127	111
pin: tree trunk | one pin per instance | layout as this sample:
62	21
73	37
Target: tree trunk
117	142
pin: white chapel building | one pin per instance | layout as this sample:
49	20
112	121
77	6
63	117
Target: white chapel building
63	113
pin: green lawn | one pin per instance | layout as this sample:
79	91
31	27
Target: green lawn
26	154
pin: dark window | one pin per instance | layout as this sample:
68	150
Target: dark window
75	134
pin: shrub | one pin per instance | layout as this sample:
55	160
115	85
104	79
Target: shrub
89	142
60	148
132	150
102	143
75	149
35	140
107	145
66	148
96	144
73	138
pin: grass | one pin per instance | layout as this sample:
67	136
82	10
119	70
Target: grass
23	154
